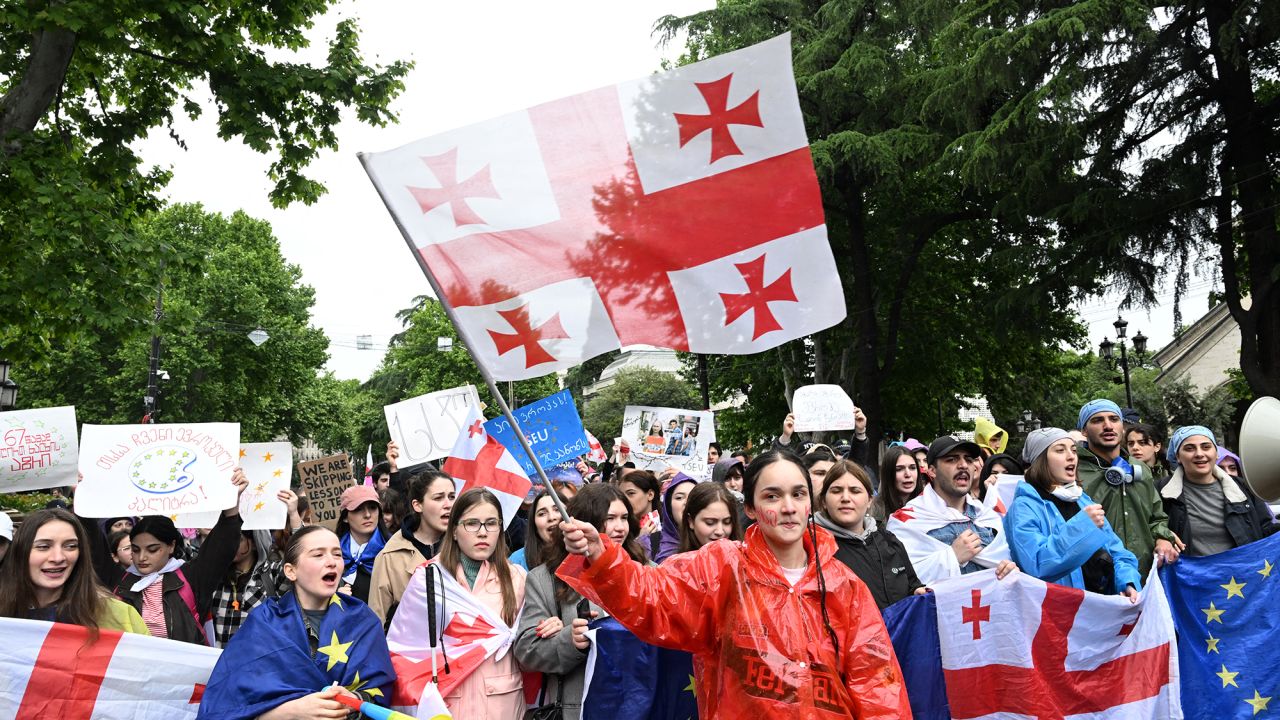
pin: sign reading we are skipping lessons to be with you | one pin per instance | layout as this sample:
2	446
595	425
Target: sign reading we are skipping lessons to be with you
325	479
157	469
37	449
662	437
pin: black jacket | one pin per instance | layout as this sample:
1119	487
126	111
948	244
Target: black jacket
205	575
1247	516
880	561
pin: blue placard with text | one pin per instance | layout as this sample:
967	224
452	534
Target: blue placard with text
553	428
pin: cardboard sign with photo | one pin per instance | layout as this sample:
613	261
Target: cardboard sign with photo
661	437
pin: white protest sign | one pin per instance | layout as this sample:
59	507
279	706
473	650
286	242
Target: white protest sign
822	407
268	467
156	469
426	427
38	449
660	437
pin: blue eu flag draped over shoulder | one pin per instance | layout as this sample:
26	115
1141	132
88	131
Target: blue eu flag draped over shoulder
1227	610
268	662
629	679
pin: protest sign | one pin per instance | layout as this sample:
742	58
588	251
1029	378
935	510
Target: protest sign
325	480
426	427
553	428
38	449
157	469
822	407
268	468
661	437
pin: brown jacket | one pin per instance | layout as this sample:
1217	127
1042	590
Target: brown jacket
391	572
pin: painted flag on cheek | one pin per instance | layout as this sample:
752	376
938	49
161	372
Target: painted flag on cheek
680	210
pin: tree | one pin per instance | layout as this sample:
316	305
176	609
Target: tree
81	81
236	281
603	413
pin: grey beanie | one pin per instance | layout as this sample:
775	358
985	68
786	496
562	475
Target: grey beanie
1039	440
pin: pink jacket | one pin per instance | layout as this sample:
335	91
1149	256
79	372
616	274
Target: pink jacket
495	690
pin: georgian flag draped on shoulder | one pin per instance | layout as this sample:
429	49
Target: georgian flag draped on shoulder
49	670
478	460
467	633
681	210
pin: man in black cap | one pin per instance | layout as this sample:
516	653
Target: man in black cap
946	531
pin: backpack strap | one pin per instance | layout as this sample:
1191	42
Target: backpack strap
189	599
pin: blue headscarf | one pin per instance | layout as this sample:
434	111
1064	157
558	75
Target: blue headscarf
1181	434
1093	407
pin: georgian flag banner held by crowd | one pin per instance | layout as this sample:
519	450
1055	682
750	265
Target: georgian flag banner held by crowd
479	460
680	210
47	670
1024	648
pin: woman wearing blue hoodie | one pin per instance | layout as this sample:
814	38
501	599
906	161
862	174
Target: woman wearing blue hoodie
1056	532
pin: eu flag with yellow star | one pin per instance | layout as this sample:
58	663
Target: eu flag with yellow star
269	661
1227	610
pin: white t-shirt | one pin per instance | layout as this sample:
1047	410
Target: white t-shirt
793	575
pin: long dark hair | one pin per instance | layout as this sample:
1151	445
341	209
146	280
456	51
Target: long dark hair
536	551
702	496
451	555
889	497
592	506
749	479
82	601
161	528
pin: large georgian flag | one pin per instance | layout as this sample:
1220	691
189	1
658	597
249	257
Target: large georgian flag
680	210
1024	648
49	670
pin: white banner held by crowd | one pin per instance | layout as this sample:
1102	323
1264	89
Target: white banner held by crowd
38	449
660	437
822	407
268	468
426	427
157	469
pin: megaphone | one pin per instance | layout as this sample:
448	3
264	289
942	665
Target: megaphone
1260	447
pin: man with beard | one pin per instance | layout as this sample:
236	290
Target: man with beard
946	531
1124	487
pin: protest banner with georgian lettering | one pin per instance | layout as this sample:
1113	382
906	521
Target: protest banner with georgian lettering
552	427
325	480
157	469
38	449
662	437
426	427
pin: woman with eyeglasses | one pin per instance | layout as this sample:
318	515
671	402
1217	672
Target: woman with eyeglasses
475	554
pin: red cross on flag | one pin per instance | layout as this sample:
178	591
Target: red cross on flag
480	461
1024	648
49	670
681	210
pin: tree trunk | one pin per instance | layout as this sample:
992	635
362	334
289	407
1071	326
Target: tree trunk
29	99
1246	154
863	310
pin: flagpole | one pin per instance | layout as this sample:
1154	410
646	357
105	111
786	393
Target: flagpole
466	340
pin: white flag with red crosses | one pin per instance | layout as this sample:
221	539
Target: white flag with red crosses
478	460
681	210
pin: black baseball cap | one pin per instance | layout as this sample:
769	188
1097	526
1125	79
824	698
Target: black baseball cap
947	443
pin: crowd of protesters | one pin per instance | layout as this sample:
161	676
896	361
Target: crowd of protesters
786	559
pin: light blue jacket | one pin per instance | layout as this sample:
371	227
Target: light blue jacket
1054	550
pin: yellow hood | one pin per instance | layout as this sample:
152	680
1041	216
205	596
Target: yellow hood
984	430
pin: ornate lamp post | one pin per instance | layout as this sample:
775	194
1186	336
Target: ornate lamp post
1107	349
8	388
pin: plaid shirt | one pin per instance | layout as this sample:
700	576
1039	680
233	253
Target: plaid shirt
241	592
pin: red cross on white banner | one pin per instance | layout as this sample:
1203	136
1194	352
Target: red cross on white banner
671	211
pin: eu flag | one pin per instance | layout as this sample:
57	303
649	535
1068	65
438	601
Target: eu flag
621	674
269	661
1226	608
913	627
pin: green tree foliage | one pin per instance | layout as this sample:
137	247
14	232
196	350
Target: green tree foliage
236	281
81	81
603	413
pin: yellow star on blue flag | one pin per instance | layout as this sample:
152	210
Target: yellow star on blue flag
336	651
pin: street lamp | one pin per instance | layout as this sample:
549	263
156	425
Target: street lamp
1107	348
8	388
1027	423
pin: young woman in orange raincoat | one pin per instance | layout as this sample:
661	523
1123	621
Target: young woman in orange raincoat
778	627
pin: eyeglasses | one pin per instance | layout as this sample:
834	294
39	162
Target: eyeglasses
473	525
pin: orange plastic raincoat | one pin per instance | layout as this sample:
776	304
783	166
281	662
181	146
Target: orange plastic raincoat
760	648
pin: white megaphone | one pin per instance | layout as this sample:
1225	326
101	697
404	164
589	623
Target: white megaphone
1260	447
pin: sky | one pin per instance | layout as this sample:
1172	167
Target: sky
475	60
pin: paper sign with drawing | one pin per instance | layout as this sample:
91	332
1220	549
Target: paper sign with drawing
38	449
822	407
157	469
268	467
661	437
